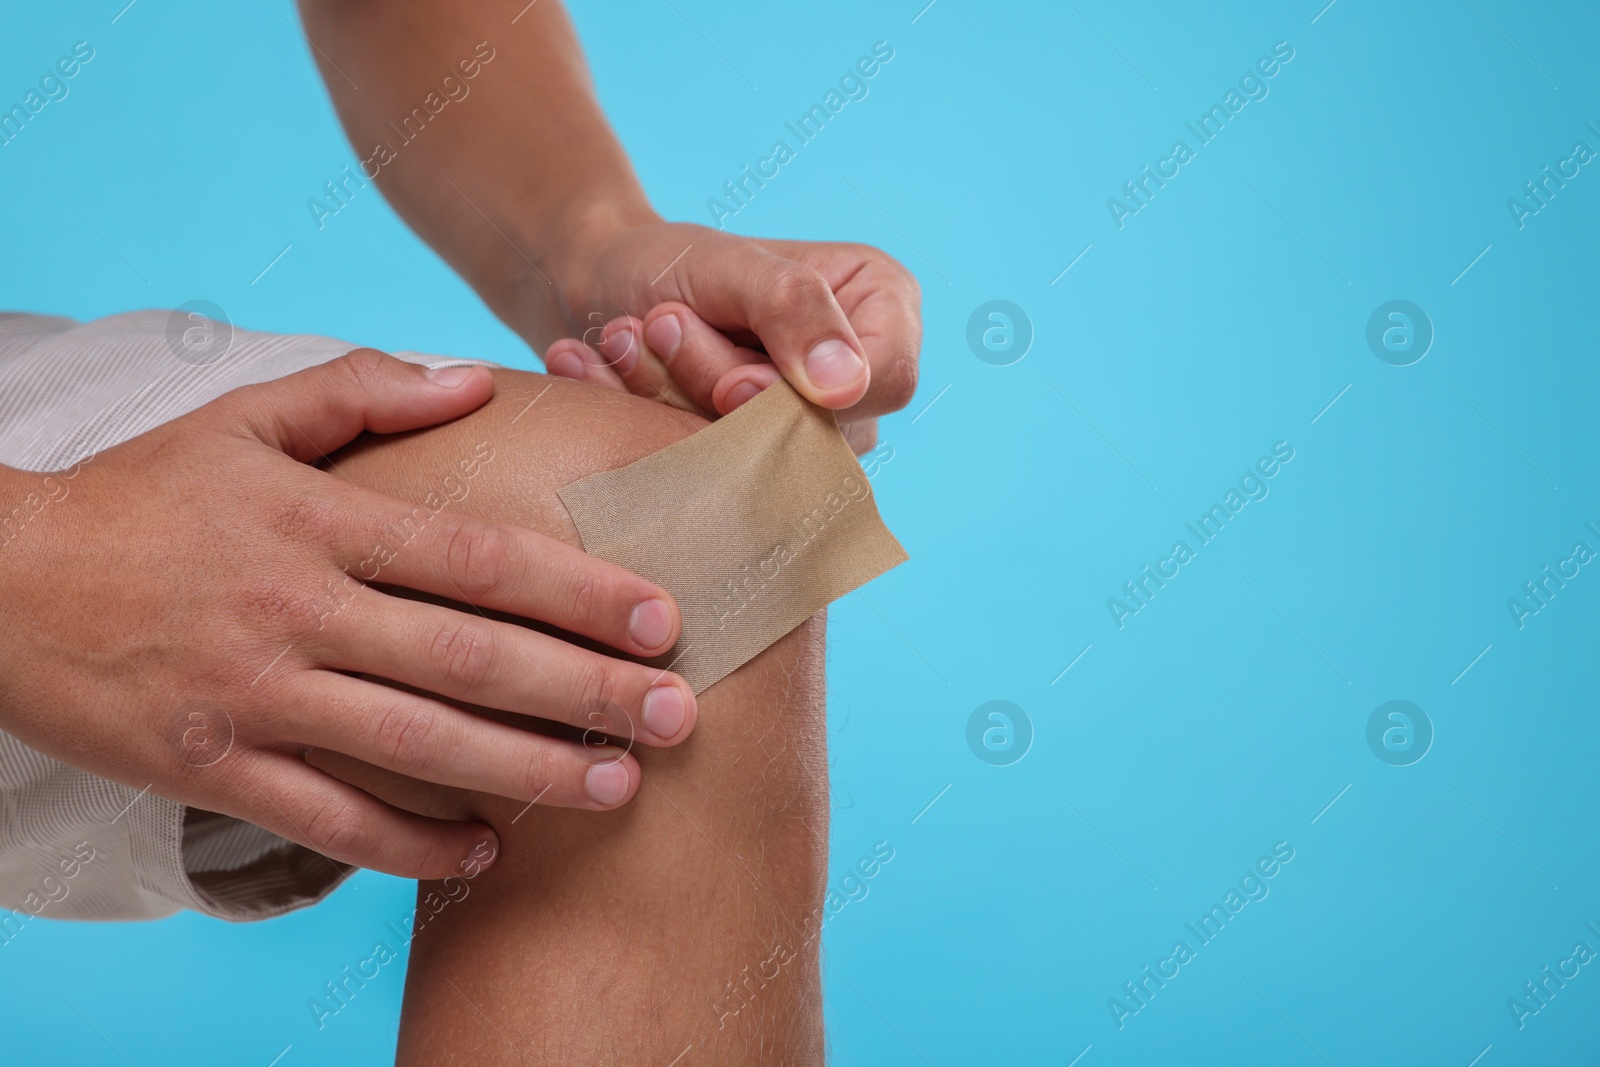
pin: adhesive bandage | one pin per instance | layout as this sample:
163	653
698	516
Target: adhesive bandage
753	524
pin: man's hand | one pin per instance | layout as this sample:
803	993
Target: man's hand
521	186
195	608
727	316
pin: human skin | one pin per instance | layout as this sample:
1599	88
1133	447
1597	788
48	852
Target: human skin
683	926
523	188
208	571
533	200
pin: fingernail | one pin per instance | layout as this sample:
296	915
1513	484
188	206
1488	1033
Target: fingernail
621	349
664	335
565	364
650	624
741	393
607	783
664	711
450	377
832	364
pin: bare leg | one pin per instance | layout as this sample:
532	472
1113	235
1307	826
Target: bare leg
687	922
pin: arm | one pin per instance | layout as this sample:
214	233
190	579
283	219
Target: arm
516	171
522	187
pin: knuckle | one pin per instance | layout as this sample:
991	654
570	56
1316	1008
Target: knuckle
364	366
586	598
792	287
900	275
462	653
479	558
303	518
406	736
272	604
336	828
595	691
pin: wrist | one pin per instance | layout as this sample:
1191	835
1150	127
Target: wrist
544	283
582	225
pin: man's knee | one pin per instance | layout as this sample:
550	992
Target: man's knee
728	831
758	756
505	461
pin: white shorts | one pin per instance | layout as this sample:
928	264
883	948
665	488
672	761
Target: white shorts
74	845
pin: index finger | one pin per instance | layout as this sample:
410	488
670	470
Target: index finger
505	568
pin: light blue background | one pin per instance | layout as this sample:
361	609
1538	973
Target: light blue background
1221	319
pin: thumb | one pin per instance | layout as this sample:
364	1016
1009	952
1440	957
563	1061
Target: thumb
318	410
791	308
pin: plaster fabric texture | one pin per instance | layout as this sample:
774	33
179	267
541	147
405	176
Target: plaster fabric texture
753	524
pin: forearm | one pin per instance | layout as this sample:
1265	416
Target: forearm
506	192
